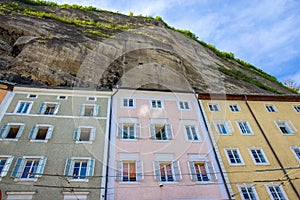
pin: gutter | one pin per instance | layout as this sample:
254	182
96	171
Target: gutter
272	149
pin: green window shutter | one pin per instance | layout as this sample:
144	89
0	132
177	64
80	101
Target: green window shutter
76	135
33	132
82	108
69	167
4	131
91	166
42	108
56	108
18	168
41	166
92	134
20	131
49	132
96	110
6	166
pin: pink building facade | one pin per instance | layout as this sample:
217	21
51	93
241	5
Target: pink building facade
160	149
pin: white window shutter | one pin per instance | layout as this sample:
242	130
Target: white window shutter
91	166
152	130
120	130
4	130
229	126
176	171
211	171
92	134
20	131
43	108
292	127
192	171
119	171
156	170
41	166
82	108
96	110
18	168
169	131
49	132
76	135
56	108
139	170
33	132
137	130
6	166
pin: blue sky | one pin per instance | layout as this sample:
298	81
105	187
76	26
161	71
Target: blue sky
264	33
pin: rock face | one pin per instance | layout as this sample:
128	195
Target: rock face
56	46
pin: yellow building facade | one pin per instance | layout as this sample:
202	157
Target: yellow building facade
257	142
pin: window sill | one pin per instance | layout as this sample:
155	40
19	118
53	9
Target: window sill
83	142
129	182
78	180
132	140
168	182
8	140
39	141
25	179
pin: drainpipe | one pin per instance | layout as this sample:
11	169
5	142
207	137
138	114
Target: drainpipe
272	149
213	147
109	138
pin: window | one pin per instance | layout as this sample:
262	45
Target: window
84	134
41	132
248	192
167	171
89	110
191	133
201	171
214	107
29	167
234	157
75	195
23	107
5	162
91	99
297	108
32	96
258	156
276	192
128	103
129	131
129	171
235	108
184	105
244	127
161	132
11	131
271	108
79	168
62	97
296	151
49	108
285	127
223	127
156	104
20	195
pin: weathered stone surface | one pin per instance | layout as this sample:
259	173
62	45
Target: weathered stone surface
49	52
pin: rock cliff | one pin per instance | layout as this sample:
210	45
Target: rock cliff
45	44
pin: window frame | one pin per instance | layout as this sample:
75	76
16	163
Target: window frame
287	125
214	107
44	106
138	171
235	106
239	156
69	168
279	187
184	105
296	108
20	165
20	195
5	129
247	186
271	108
259	152
59	97
245	128
191	134
27	110
168	132
91	98
209	169
126	103
6	166
77	134
34	132
95	110
294	152
156	104
136	131
175	171
30	97
226	124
